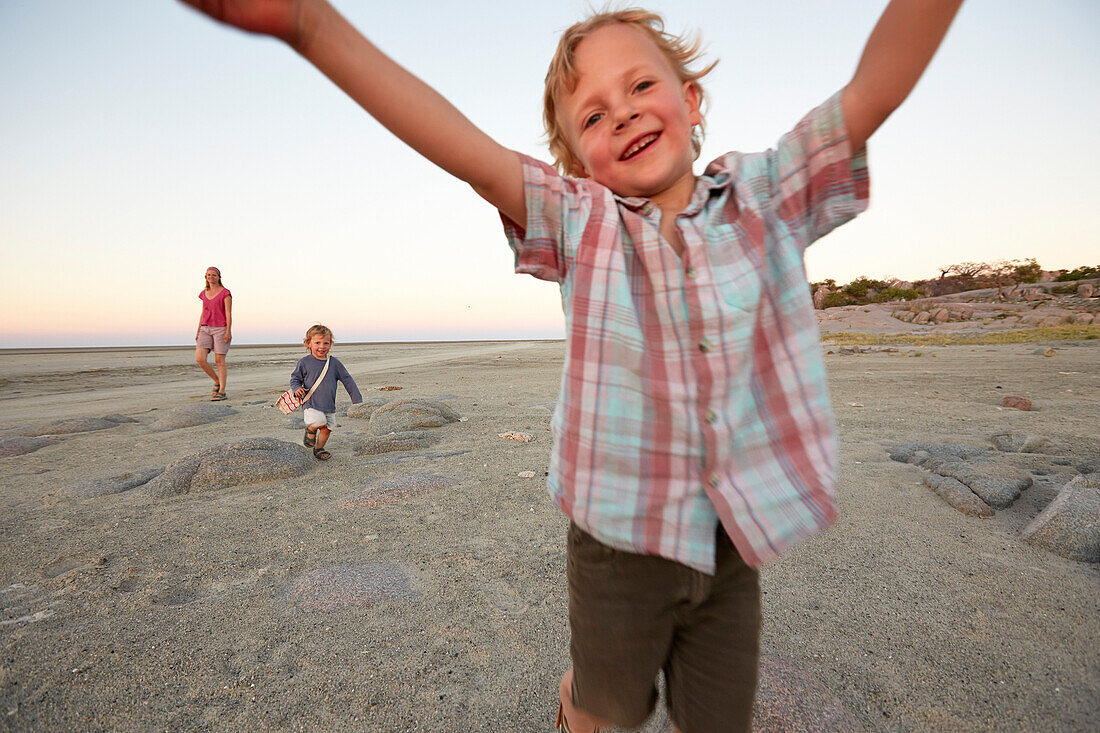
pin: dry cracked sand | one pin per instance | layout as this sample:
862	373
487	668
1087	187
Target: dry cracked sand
288	604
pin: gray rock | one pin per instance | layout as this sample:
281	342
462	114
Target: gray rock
918	453
996	483
1089	465
1070	525
1021	443
77	425
242	462
958	495
414	414
336	588
408	440
112	485
19	445
395	489
188	416
364	409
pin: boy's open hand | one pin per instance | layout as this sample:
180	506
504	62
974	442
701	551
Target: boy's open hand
300	392
278	18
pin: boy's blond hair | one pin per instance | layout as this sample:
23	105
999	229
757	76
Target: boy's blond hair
681	52
318	329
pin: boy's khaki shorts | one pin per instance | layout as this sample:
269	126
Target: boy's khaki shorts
633	615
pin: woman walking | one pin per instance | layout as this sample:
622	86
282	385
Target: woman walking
215	330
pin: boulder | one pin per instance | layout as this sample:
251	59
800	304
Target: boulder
997	484
77	425
1085	290
404	415
918	453
19	445
958	495
922	318
366	408
111	485
188	416
1084	319
1021	443
249	461
1070	525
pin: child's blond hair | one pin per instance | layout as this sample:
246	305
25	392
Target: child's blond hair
316	330
681	52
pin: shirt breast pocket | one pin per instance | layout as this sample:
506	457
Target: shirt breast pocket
735	265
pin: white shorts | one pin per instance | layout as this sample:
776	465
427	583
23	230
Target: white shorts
316	417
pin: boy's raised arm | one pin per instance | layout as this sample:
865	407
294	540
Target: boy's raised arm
900	47
405	105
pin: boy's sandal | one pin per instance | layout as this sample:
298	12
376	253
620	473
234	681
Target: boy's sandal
214	392
218	397
562	724
321	454
310	438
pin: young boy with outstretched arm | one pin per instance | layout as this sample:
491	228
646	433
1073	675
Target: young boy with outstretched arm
693	436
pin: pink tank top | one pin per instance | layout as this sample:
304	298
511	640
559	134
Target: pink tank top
213	310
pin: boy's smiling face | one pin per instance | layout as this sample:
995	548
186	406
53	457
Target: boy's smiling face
629	117
319	346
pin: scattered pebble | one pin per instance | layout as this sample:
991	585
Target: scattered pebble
517	436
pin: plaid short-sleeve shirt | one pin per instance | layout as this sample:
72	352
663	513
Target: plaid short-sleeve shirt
693	390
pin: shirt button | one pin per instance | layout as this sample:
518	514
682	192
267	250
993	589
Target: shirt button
712	416
691	273
714	480
704	345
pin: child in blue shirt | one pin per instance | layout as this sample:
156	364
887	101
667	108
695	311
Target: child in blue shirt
319	411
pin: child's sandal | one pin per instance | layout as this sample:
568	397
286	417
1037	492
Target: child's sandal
321	454
218	396
310	438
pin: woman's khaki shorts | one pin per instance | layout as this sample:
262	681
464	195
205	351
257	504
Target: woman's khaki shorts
632	616
212	337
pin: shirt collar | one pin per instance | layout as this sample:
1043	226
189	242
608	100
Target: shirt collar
705	186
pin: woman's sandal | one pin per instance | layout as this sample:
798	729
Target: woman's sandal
310	438
321	454
562	724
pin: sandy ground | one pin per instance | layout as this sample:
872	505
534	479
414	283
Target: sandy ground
128	613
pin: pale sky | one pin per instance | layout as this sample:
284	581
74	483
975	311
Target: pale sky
140	143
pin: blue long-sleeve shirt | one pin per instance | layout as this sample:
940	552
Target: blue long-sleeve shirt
324	397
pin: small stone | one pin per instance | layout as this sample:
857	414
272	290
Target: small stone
517	436
389	388
1017	403
526	474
